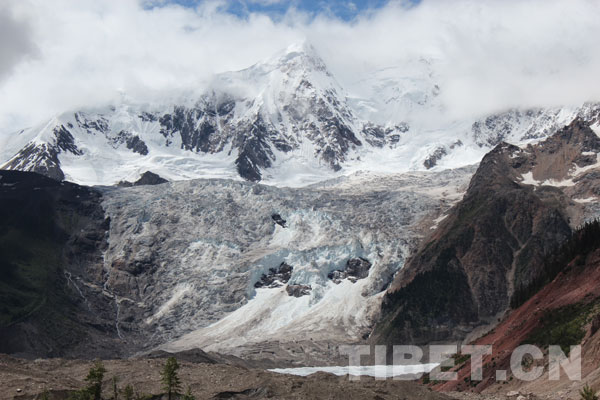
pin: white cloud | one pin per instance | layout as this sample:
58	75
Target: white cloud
488	55
15	40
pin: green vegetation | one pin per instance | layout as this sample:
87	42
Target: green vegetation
563	326
128	392
461	358
169	378
582	242
188	394
37	219
459	362
427	380
93	390
115	388
587	393
94	380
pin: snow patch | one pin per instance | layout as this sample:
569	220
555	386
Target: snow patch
555	183
527	179
437	221
586	200
576	171
379	371
596	128
179	292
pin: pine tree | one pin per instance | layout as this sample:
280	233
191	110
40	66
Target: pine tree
170	380
188	394
587	393
128	392
115	388
94	380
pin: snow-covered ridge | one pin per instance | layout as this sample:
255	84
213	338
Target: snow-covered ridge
285	121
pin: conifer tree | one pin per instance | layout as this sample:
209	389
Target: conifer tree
170	379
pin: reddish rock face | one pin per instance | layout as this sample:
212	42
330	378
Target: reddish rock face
575	288
494	242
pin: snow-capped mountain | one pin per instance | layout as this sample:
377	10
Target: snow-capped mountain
244	121
251	269
289	274
284	121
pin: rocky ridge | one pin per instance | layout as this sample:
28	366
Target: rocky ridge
563	310
285	121
494	242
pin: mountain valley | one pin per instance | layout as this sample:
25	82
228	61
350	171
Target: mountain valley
271	216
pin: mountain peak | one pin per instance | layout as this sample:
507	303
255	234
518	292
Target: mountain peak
301	48
299	60
302	55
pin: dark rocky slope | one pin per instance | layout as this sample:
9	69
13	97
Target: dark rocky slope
564	311
494	242
49	232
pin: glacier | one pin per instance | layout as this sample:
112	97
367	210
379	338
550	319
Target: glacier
185	260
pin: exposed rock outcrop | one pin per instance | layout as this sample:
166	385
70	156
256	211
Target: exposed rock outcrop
132	142
42	158
298	290
147	178
356	268
278	220
276	277
563	312
494	242
440	152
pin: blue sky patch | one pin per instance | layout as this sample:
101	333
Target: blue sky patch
346	10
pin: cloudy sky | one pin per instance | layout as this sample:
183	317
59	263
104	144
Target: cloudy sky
57	55
346	10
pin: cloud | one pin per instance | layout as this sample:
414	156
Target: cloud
486	55
15	40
